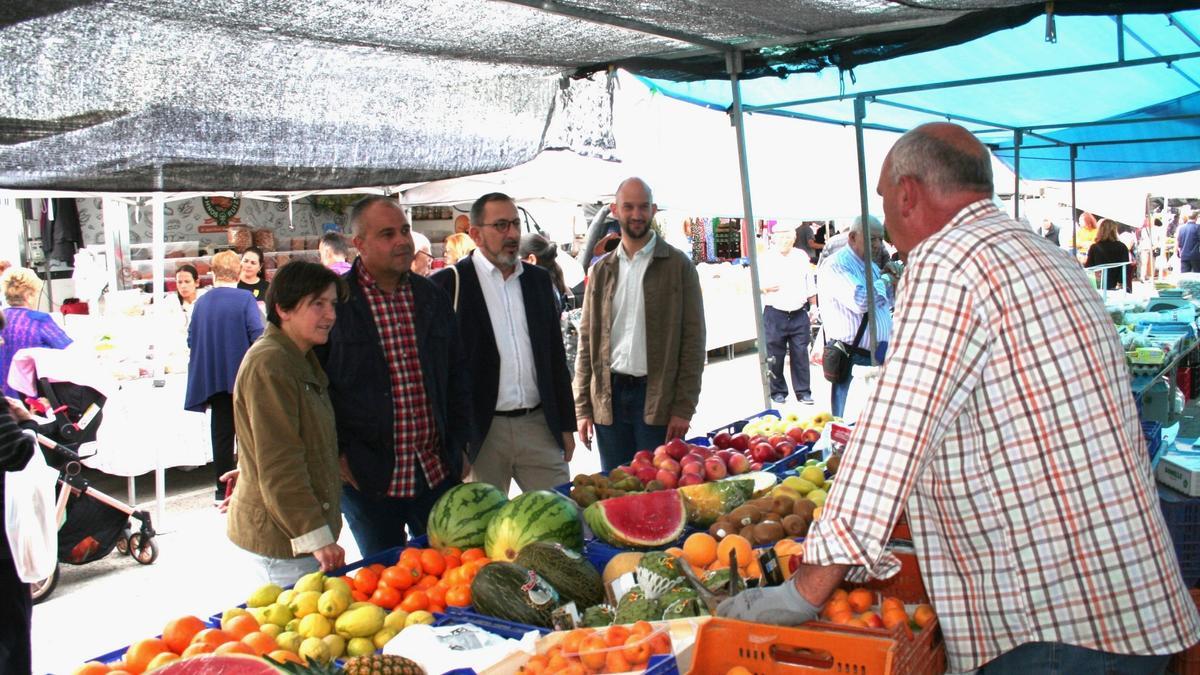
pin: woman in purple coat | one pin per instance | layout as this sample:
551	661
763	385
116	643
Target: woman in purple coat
24	325
225	321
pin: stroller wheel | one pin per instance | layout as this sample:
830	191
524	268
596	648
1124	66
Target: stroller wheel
40	590
123	544
145	551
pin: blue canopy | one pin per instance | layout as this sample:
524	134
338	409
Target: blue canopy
1122	90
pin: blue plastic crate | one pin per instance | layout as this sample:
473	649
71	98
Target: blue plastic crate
736	427
491	624
1154	437
662	664
1182	515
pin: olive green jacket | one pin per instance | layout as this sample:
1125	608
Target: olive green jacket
674	338
286	502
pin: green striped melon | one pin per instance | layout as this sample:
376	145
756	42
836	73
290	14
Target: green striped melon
534	516
460	517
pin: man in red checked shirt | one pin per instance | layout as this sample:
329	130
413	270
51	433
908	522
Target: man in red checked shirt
400	395
1004	423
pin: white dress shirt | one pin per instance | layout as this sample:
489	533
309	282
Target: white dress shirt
506	309
628	336
792	273
842	291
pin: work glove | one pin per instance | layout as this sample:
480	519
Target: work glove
779	605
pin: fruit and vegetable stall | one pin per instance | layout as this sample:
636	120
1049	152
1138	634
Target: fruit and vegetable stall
616	573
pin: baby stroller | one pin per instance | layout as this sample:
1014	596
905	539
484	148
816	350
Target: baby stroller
95	523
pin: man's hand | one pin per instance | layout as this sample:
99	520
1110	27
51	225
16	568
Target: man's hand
331	557
585	432
347	477
568	445
678	427
779	605
19	413
230	480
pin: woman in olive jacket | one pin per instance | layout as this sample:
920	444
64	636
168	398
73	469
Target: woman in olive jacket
285	505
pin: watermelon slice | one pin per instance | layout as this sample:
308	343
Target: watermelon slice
642	520
229	664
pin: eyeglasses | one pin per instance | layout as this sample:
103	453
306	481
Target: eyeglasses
504	225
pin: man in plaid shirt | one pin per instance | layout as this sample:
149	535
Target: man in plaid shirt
1004	421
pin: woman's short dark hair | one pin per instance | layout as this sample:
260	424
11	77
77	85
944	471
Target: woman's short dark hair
262	259
296	281
190	270
546	254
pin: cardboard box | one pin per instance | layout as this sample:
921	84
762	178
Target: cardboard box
1180	472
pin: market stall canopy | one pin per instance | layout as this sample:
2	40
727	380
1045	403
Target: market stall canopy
1089	76
178	95
553	176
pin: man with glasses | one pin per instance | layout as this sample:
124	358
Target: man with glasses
423	257
641	338
521	390
400	399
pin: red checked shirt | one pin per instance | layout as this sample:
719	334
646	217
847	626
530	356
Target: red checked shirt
1005	411
415	434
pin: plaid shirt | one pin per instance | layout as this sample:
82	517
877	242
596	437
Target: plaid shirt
1005	412
415	433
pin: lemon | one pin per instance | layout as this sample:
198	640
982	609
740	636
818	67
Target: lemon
315	625
305	603
272	629
285	598
337	583
264	596
289	640
310	582
333	602
360	646
418	617
395	620
314	649
277	614
382	637
336	645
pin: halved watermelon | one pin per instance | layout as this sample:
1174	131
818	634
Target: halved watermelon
231	664
641	520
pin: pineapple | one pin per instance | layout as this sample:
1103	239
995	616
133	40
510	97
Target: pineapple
382	664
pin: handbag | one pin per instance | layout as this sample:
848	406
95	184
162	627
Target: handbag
837	359
30	518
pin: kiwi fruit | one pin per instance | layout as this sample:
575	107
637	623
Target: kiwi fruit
804	507
795	526
782	504
768	532
831	464
745	515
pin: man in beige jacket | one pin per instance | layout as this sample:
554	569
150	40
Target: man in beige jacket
641	338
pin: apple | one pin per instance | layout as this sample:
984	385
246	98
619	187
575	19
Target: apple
785	448
796	434
871	619
811	436
763	452
739	464
740	442
756	439
677	448
647	474
692	457
777	439
694	468
756	466
690	479
671	466
714	468
726	455
644	456
722	439
667	478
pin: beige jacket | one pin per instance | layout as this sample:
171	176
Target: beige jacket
286	503
674	338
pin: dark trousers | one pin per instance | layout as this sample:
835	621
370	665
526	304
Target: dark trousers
16	611
1188	265
629	432
220	407
378	523
787	335
1056	658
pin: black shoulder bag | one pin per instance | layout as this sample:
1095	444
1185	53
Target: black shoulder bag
836	360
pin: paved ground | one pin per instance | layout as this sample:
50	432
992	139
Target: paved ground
109	603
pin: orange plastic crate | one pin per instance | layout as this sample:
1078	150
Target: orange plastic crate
820	647
1188	663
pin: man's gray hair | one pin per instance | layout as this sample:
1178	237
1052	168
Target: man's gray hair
421	242
359	207
942	166
872	222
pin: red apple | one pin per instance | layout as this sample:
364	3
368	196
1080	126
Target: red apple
740	441
667	478
676	448
644	456
722	440
777	439
671	466
692	457
726	455
693	468
739	464
756	466
690	479
714	468
763	452
796	434
647	474
811	436
871	619
785	448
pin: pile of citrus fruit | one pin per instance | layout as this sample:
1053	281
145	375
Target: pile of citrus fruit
190	636
858	608
616	649
422	579
704	553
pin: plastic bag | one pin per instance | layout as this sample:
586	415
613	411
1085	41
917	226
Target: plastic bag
30	518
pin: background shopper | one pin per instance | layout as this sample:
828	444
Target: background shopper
24	325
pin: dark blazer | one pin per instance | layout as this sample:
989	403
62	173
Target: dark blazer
360	384
483	359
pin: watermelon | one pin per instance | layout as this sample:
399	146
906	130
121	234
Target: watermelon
568	572
233	664
513	593
707	502
642	520
460	517
542	515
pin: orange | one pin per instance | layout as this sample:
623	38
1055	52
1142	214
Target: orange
416	601
637	649
701	549
660	643
260	642
241	625
923	615
141	652
573	639
674	552
432	562
196	649
839	594
734	542
385	596
410	556
891	602
212	637
284	656
840	617
535	665
234	648
161	660
472	554
838	606
90	668
592	652
178	633
615	662
641	629
616	635
366	579
718	564
893	617
861	599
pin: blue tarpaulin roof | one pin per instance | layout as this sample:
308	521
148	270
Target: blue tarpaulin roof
1159	76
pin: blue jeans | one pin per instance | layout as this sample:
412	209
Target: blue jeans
378	523
284	571
629	432
837	396
1056	658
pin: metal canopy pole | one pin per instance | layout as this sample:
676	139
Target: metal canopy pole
1016	174
733	63
1074	220
158	228
860	113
